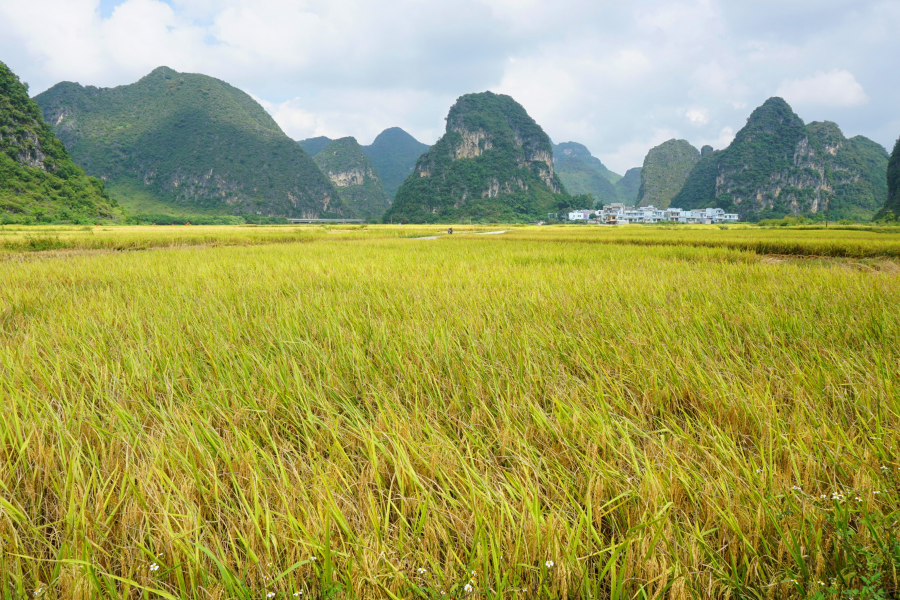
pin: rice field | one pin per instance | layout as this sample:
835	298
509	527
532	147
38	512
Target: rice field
352	412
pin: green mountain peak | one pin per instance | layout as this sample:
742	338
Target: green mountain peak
394	154
188	142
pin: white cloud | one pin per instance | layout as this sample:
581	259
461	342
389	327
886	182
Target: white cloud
697	116
837	88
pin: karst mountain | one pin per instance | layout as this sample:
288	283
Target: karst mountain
494	163
777	165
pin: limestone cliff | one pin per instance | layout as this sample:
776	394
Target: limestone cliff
345	163
493	163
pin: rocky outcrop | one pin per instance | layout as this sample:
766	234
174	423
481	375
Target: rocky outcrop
665	170
493	162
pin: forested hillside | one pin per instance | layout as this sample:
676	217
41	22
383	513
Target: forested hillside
494	163
190	142
344	162
38	180
777	166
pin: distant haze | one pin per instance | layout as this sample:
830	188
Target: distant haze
618	77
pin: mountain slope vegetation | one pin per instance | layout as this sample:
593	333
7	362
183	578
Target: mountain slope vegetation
191	142
494	163
582	173
38	180
665	170
344	162
777	166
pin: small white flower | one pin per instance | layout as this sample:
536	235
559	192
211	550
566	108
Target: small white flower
759	470
312	558
884	468
38	591
421	570
821	583
858	499
270	595
473	573
797	488
154	567
549	564
468	588
298	594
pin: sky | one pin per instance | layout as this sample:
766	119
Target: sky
617	76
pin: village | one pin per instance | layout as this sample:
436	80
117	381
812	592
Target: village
620	214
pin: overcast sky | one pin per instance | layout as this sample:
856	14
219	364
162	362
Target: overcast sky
618	76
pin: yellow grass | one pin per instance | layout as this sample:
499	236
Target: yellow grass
633	404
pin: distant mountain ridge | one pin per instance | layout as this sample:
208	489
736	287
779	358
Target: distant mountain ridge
493	163
393	154
38	179
345	163
190	142
777	166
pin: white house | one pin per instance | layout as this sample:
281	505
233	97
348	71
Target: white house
580	215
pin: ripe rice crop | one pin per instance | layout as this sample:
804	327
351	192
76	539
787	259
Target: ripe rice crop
555	412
